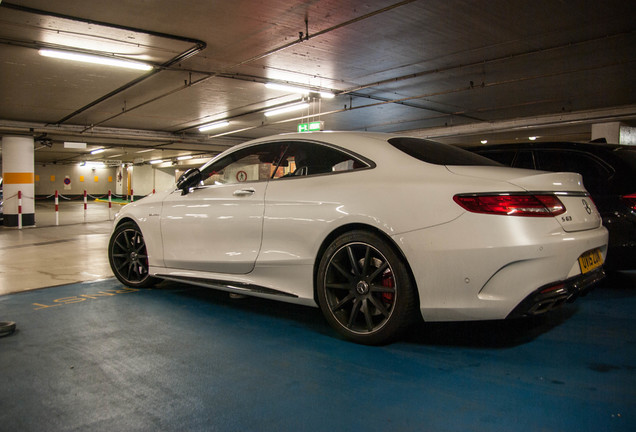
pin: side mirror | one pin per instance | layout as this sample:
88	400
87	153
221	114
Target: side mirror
189	179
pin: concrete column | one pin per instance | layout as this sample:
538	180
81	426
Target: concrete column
609	131
17	174
628	135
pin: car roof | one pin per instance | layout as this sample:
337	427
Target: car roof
588	146
367	144
602	150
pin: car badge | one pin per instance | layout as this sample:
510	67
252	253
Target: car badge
587	206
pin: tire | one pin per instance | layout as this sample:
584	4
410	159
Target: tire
128	256
364	289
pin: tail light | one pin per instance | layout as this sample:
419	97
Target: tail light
630	200
512	205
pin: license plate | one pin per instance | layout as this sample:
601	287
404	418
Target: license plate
590	260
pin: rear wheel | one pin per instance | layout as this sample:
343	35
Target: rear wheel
364	288
128	256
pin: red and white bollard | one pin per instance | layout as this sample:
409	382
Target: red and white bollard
57	209
110	206
84	205
19	209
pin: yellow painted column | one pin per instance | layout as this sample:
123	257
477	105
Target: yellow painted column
18	179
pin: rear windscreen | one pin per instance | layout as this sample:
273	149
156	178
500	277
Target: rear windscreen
439	154
629	156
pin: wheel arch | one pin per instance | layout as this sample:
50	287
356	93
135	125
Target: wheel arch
125	219
359	227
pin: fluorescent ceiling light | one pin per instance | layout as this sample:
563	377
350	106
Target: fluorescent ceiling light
184	157
484	141
156	161
87	58
211	126
286	109
91	164
145	151
532	138
97	151
299	90
74	145
292	89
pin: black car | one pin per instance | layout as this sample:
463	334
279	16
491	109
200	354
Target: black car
609	174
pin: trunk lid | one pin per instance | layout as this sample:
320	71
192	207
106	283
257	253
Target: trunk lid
581	212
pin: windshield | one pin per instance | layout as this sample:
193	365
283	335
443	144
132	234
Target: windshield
439	154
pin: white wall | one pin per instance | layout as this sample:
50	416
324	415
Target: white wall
98	181
165	179
142	180
49	178
147	178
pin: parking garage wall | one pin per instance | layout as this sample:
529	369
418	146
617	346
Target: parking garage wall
75	179
147	178
166	178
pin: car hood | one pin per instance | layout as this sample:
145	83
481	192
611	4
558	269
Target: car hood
581	213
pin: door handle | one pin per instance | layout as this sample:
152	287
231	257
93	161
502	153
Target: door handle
244	192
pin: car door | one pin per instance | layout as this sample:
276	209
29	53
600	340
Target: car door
217	226
303	201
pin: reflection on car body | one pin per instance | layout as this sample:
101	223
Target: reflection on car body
377	230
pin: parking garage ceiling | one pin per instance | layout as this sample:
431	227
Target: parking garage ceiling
457	71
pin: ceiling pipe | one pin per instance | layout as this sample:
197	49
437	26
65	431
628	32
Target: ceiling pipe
30	128
481	63
184	55
323	32
441	114
198	47
529	123
352	92
210	75
100	23
356	91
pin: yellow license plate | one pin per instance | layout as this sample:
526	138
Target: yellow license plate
590	260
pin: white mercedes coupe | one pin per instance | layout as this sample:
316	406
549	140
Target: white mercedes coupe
377	230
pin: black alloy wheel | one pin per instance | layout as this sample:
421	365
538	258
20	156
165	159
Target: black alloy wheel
128	256
364	289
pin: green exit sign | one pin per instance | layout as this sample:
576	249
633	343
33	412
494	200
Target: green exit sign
311	126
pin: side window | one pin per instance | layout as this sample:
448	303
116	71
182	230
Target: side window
594	172
524	159
502	156
306	159
256	163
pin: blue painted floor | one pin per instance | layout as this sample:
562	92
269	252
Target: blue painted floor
99	357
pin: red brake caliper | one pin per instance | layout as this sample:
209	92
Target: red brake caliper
388	282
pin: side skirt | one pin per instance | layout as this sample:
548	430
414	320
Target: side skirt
237	287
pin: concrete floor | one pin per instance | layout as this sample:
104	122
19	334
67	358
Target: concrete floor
92	355
49	254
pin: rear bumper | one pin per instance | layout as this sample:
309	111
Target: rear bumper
554	295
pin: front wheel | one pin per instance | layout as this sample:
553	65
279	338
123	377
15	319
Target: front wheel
128	256
364	288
